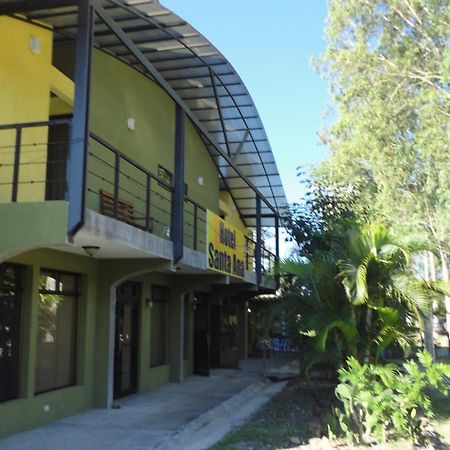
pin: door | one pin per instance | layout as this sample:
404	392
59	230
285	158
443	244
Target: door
126	339
227	331
201	334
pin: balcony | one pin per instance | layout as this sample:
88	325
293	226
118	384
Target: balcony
33	163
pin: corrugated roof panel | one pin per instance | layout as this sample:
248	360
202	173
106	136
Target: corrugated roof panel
203	78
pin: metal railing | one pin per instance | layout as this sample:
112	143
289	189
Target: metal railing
121	188
33	163
194	225
268	259
33	158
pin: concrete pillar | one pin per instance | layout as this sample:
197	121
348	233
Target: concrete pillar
176	334
29	326
243	328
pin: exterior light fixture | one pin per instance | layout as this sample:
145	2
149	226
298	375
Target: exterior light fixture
131	124
35	45
149	302
91	250
201	181
249	310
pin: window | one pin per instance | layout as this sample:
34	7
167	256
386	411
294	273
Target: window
56	351
11	287
165	175
158	321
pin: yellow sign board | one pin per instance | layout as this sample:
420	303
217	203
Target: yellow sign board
225	247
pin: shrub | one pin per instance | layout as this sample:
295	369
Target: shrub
383	402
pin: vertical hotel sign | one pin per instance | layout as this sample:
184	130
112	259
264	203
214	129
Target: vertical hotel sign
225	247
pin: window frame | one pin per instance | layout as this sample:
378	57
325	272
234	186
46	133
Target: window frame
19	291
77	293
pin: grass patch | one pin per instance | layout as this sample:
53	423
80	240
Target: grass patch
441	422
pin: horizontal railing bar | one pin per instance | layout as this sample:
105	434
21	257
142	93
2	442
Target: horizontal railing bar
129	160
47	123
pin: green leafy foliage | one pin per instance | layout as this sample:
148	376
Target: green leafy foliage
387	65
357	295
383	402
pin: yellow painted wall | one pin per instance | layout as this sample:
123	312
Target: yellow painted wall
24	97
26	80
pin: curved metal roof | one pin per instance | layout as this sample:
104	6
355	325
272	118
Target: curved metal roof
205	81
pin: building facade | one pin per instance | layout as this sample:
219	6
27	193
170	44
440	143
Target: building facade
135	181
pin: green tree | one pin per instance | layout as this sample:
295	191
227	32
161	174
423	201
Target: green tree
388	64
359	296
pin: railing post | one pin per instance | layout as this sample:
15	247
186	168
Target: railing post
277	250
15	180
195	226
147	202
258	266
116	183
277	237
246	253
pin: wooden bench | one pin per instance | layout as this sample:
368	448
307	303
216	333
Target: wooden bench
125	210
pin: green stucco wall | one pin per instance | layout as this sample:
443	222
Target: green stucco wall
94	320
28	410
32	225
119	92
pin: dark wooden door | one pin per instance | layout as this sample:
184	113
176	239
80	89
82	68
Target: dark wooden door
126	339
201	334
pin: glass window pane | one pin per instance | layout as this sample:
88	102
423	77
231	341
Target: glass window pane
10	308
68	283
48	282
57	336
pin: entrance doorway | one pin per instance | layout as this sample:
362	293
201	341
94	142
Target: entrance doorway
201	334
126	339
224	334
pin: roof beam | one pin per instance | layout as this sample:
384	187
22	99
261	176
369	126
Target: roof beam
19	6
241	145
216	97
148	66
228	118
213	97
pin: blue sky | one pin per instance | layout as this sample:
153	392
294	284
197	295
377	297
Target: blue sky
270	44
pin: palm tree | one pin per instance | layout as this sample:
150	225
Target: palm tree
391	302
361	294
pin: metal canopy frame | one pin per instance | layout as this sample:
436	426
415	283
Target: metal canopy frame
151	38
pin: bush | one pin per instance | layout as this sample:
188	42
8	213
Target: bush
384	402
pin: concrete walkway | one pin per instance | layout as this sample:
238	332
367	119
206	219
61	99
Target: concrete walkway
192	415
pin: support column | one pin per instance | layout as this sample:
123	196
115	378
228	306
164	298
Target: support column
176	338
177	222
79	133
258	266
277	237
243	329
28	348
277	250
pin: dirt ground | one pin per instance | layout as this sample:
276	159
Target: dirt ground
297	419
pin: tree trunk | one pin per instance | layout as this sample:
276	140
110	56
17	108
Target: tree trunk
368	357
429	272
445	277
